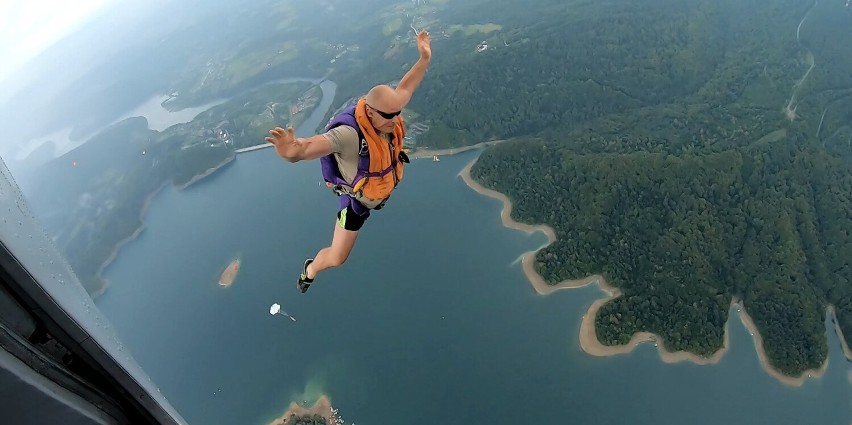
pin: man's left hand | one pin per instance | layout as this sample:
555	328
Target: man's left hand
424	45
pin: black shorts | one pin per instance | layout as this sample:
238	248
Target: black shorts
348	219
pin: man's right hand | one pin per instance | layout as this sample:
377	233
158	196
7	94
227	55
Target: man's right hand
292	149
284	142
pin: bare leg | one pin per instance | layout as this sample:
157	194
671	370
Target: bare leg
336	254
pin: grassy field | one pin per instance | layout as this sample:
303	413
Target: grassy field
251	62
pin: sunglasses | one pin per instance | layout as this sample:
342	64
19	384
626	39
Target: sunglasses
386	115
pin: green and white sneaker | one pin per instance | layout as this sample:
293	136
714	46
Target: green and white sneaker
303	283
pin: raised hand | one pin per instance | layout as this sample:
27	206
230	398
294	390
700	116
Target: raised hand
424	45
283	140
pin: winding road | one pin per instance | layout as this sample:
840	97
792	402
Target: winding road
790	109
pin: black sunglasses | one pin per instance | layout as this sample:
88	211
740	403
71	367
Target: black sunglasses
386	115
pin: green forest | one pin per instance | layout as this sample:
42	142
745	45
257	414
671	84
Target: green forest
675	169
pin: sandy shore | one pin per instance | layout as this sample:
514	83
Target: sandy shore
429	153
322	407
588	336
591	345
843	343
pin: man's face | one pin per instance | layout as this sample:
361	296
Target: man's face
378	118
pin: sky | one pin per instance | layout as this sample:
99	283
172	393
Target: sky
27	27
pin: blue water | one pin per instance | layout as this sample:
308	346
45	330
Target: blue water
431	320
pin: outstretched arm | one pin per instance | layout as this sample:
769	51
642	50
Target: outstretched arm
292	149
414	76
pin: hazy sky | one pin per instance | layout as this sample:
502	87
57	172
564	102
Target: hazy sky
27	27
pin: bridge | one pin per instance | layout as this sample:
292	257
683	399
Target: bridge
254	148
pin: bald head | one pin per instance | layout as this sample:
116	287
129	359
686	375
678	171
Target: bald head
384	98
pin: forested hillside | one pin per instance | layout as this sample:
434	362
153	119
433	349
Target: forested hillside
729	174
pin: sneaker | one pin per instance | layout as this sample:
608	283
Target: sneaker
303	283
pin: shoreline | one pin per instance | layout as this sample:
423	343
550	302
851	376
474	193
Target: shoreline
793	381
121	243
589	342
321	407
196	178
843	344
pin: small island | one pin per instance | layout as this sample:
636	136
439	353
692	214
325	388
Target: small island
321	413
230	273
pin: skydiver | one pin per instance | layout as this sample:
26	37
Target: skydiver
362	159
